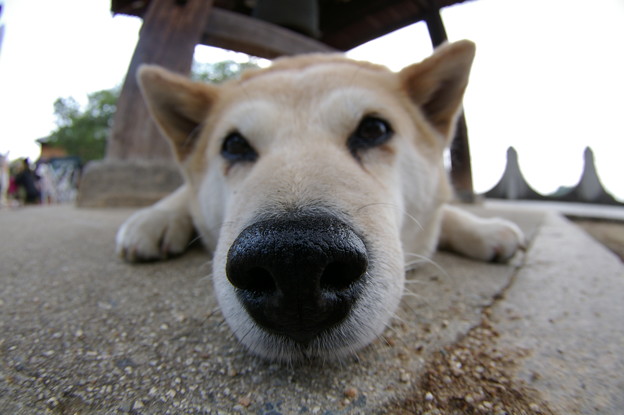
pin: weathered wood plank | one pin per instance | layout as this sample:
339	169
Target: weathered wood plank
234	31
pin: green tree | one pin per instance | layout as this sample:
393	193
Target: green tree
83	132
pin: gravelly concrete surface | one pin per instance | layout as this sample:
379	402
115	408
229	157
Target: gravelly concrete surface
82	332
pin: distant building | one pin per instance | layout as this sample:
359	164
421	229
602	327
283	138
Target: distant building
49	150
58	172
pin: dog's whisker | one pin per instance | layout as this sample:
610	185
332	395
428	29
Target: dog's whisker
406	325
420	298
235	334
396	316
415	282
193	240
424	259
225	225
215	310
395	206
382	337
221	323
206	277
386	204
413	219
412	265
407	292
412	294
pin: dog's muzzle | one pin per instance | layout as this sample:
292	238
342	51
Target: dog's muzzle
298	277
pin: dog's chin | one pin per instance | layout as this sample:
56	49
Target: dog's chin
365	323
327	347
334	344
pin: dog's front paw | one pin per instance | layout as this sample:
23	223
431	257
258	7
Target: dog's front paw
485	239
152	234
495	240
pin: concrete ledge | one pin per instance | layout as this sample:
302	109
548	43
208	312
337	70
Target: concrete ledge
565	309
117	183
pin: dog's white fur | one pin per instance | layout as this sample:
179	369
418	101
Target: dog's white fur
298	116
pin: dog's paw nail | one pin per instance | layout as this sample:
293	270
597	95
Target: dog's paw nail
165	250
131	254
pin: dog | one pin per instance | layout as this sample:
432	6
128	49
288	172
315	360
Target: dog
310	182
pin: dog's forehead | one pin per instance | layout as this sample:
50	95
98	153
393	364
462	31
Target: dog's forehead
312	62
325	96
332	95
307	87
313	75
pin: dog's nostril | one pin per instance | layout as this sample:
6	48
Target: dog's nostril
259	280
338	276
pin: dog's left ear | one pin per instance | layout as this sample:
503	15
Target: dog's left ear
437	84
178	105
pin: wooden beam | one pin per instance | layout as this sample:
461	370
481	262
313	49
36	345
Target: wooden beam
170	31
235	31
461	168
435	25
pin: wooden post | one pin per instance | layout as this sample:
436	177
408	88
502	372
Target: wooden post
170	31
139	167
461	169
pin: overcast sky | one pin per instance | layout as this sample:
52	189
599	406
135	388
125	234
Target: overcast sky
547	78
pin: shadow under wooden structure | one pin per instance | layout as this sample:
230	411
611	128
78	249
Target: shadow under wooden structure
139	169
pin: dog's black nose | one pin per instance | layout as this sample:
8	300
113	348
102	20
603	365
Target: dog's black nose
297	277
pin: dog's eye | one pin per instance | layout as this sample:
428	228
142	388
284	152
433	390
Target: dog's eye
371	132
236	148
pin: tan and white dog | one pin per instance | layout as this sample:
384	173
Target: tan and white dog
311	182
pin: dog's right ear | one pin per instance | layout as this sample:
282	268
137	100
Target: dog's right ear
437	84
178	105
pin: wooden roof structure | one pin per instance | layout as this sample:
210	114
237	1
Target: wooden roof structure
342	24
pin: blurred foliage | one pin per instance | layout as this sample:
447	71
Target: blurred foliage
83	132
216	73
